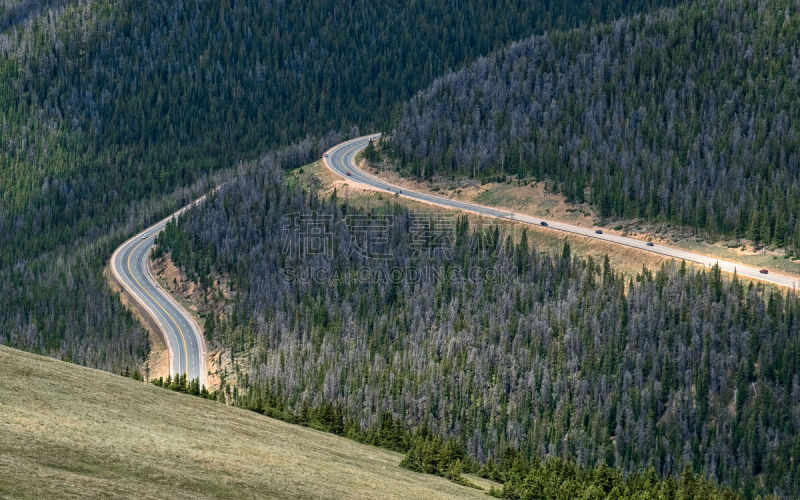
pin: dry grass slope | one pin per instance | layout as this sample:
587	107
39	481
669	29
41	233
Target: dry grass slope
69	431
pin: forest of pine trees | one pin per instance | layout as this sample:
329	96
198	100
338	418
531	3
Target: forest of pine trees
496	345
556	477
687	115
113	114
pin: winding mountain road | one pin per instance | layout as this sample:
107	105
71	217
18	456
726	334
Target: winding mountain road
184	338
341	160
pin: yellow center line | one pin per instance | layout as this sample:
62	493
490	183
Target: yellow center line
185	349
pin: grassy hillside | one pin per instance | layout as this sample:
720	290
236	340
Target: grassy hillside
70	431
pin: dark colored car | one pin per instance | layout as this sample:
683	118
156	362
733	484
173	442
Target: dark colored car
348	173
543	223
599	231
649	243
764	271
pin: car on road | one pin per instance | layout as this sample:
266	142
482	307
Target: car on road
649	243
599	231
764	271
326	155
144	236
543	223
348	173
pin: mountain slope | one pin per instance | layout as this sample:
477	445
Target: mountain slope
108	107
69	431
687	115
483	337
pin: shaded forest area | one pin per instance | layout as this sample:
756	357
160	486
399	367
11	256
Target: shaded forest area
16	12
114	113
520	477
558	478
687	115
551	355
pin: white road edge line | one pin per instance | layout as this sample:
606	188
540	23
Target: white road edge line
131	289
475	208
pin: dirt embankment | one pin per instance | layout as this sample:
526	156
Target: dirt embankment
202	303
195	299
534	198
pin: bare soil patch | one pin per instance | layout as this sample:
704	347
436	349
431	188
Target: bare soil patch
533	198
201	303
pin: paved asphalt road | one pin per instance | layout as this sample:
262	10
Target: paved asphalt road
183	335
341	160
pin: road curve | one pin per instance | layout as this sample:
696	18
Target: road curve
184	338
341	160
